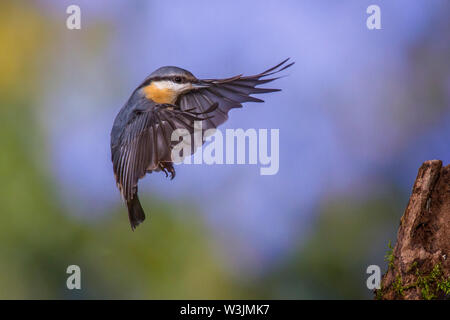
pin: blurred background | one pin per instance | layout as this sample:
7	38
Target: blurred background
359	113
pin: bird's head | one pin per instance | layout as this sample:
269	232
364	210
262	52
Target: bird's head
165	84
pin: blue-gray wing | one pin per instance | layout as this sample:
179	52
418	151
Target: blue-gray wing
228	94
141	139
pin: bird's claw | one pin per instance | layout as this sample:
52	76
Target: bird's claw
168	168
163	169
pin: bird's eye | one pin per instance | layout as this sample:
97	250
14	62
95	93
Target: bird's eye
177	79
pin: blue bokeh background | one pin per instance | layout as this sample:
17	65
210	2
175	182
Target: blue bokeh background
359	112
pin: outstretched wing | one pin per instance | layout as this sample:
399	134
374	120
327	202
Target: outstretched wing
228	94
145	141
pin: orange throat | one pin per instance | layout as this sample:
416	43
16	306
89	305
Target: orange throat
159	94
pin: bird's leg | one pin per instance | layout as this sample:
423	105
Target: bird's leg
167	167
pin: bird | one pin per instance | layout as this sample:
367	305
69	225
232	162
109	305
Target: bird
172	98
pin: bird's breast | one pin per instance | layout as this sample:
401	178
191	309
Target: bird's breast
159	94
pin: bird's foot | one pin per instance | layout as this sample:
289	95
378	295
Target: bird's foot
167	168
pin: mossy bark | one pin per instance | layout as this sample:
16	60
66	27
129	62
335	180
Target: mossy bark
419	264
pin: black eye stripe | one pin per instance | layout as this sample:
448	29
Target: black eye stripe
166	78
176	79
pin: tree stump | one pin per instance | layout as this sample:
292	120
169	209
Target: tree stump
419	264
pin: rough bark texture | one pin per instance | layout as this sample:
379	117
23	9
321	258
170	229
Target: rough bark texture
419	264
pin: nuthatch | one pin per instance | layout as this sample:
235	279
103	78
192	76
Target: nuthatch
171	98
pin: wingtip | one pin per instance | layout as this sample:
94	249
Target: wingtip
278	68
287	66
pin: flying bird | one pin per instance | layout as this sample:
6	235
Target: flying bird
172	98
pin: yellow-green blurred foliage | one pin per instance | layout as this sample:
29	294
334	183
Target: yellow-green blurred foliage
38	240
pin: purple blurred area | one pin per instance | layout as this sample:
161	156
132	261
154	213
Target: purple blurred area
355	110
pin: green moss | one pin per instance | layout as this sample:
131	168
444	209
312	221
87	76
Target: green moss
433	284
379	293
398	285
389	257
413	266
444	286
425	289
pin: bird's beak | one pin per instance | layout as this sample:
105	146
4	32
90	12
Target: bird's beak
200	85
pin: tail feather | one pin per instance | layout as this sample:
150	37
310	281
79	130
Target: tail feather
135	212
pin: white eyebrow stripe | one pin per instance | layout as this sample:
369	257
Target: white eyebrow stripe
167	84
163	84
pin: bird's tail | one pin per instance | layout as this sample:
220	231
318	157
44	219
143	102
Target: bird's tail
135	212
